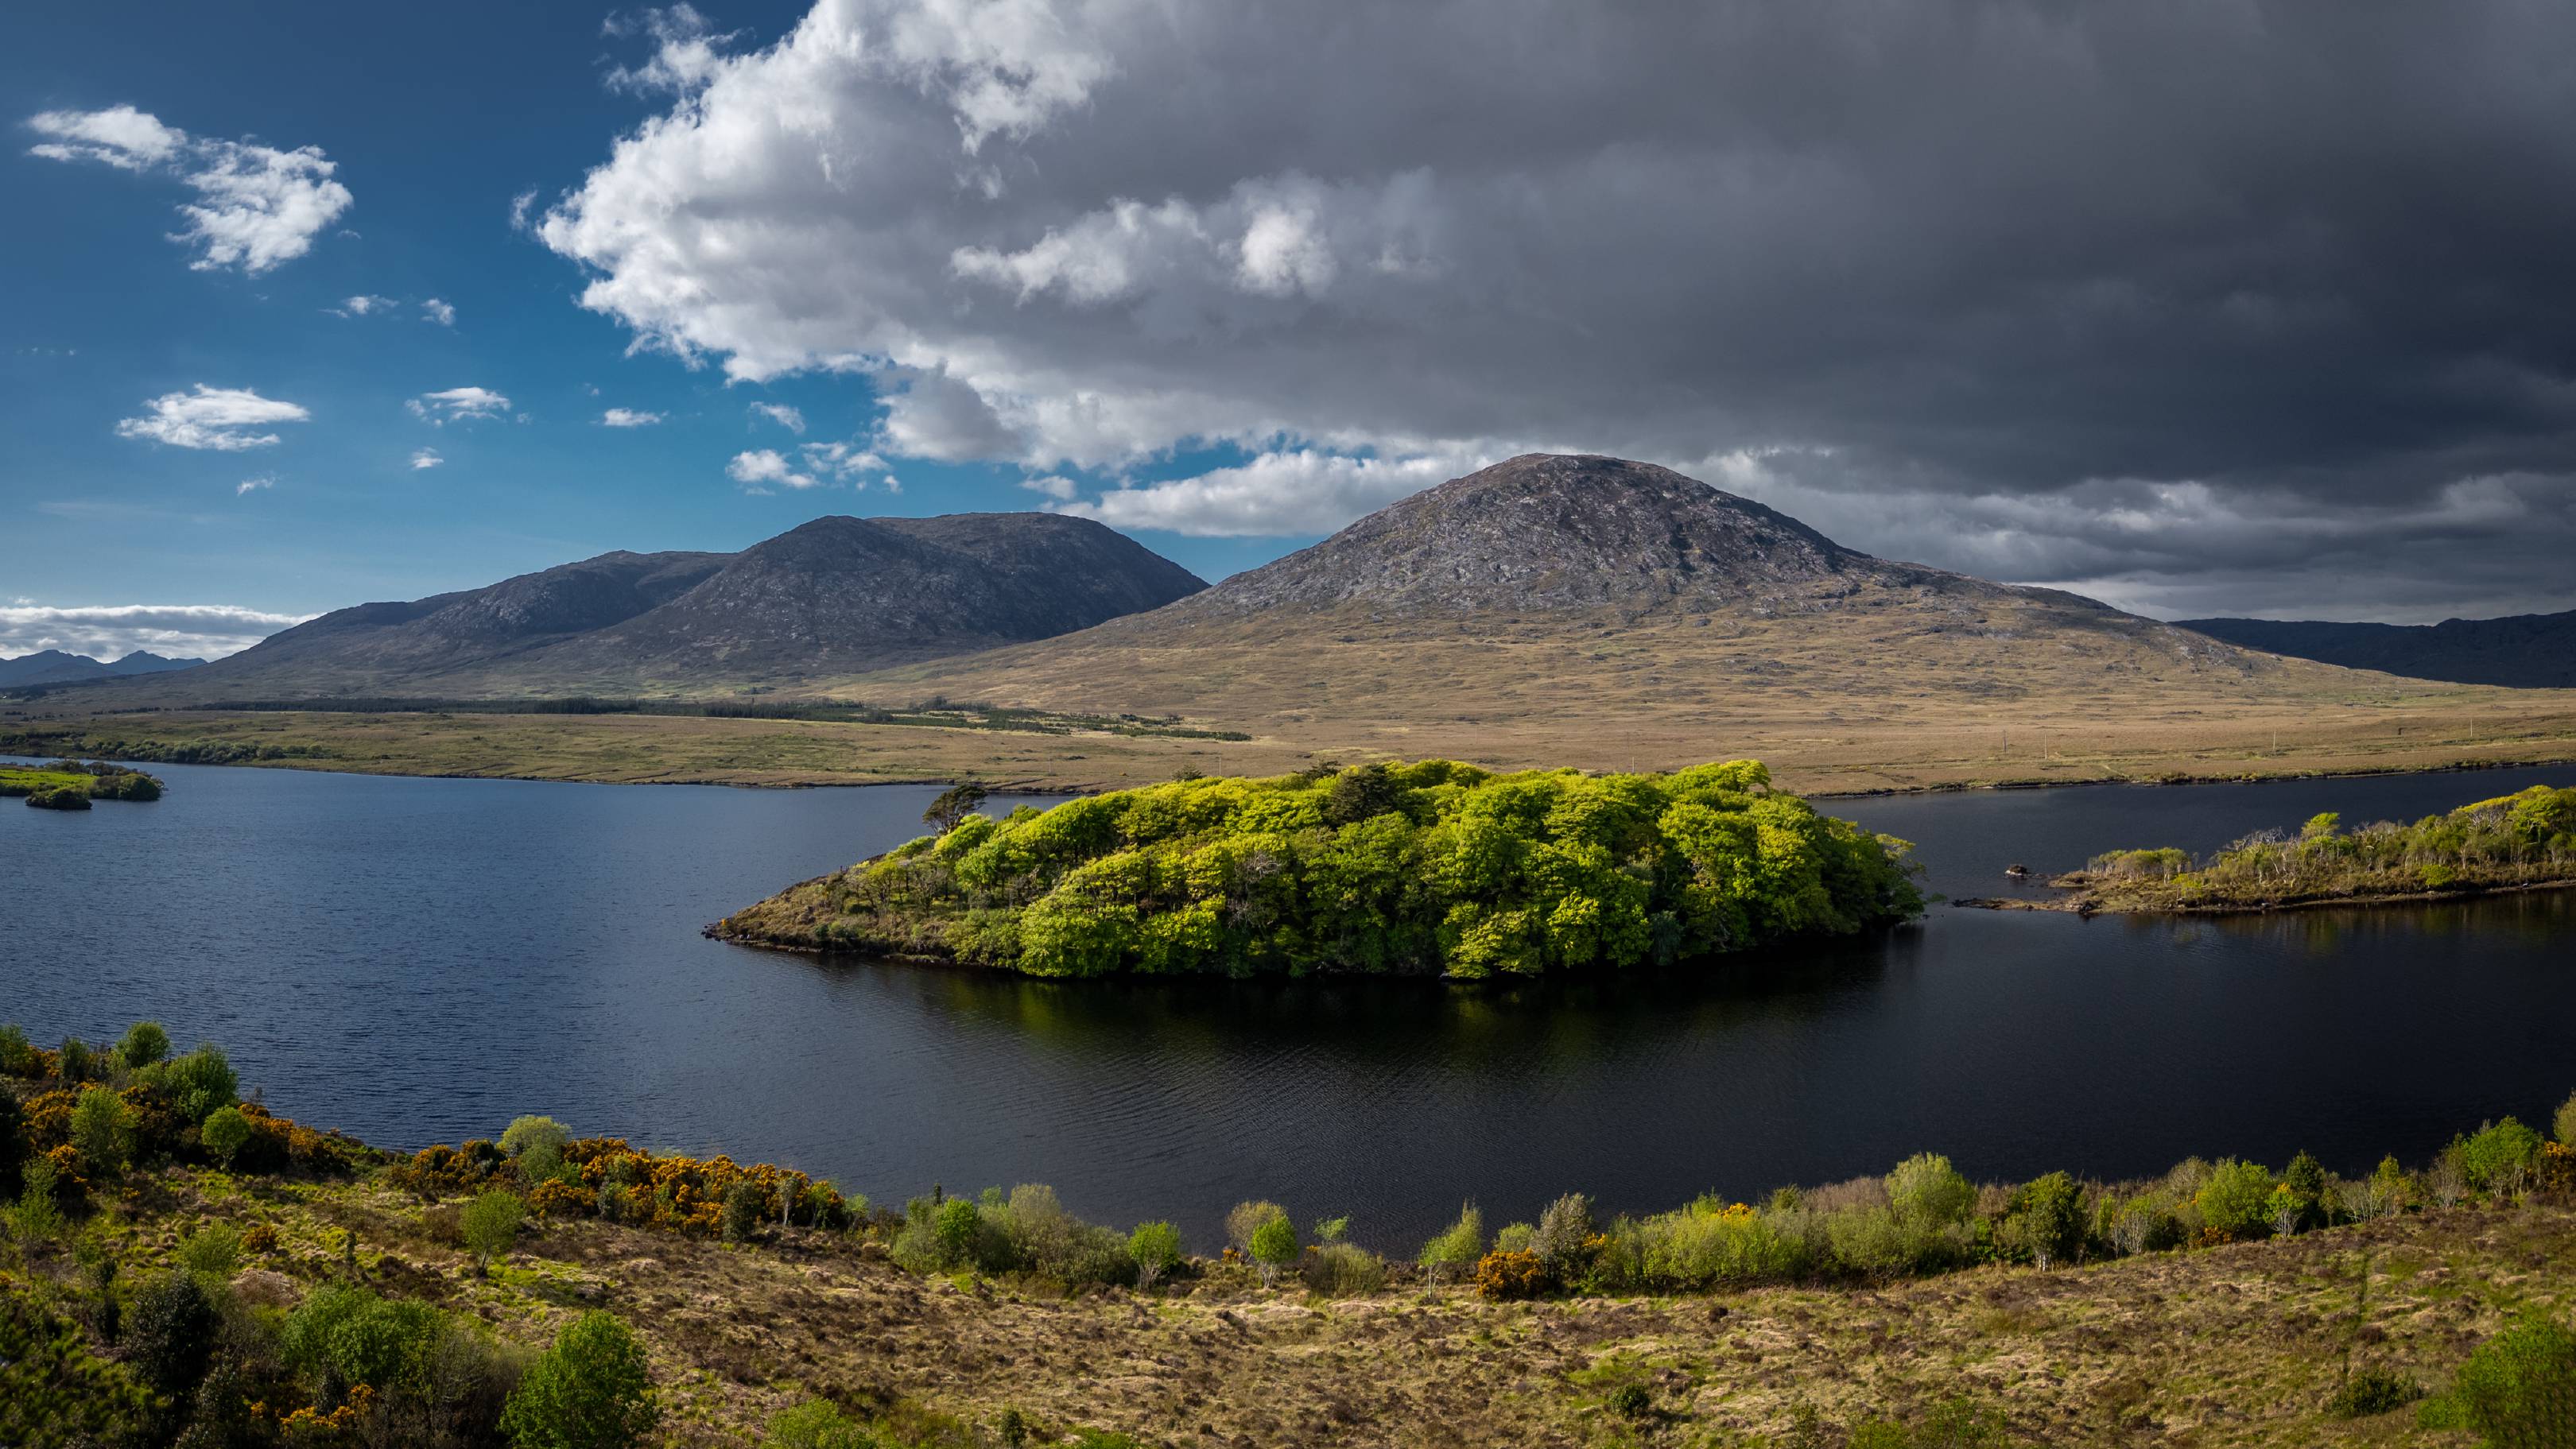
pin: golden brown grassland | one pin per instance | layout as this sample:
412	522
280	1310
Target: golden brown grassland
2219	1347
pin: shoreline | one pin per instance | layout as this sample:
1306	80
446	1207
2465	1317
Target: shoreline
2076	904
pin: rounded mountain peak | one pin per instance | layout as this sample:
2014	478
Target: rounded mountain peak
1552	531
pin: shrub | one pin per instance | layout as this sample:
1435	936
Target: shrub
1563	1241
212	1252
1274	1246
37	1218
590	1391
1245	1219
1631	1401
19	1058
103	1130
2519	1388
225	1132
815	1424
958	1231
1156	1247
2498	1158
13	1139
1456	1249
145	1043
1344	1270
171	1333
2236	1202
2370	1392
1927	1192
2565	1122
76	1062
1507	1273
196	1084
343	1335
2051	1211
742	1211
537	1144
2303	1190
491	1223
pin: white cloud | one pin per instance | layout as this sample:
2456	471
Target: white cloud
256	207
758	468
361	306
252	485
1054	486
849	462
628	418
458	404
177	631
216	418
685	50
425	458
520	205
439	312
782	414
1277	494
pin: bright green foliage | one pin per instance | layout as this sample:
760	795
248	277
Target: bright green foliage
53	1390
815	1424
1454	1252
342	1335
103	1130
525	1134
1274	1245
2498	1157
590	1391
2519	1388
37	1218
225	1132
2302	1192
491	1223
197	1084
1245	1218
2566	1121
211	1252
958	1230
2051	1213
1428	867
2237	1200
145	1043
1956	1424
1156	1247
1926	1191
2511	840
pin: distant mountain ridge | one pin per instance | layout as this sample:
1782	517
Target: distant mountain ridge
2526	651
831	597
53	666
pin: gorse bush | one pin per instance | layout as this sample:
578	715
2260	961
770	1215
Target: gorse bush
1432	867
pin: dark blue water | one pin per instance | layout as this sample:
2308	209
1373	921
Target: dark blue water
420	960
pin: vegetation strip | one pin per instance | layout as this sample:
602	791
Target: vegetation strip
2518	842
1431	868
168	1278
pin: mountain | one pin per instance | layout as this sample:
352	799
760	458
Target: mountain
53	666
2527	651
1597	610
831	597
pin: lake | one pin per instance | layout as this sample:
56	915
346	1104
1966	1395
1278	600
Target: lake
420	960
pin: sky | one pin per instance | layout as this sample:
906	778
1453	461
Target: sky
2204	307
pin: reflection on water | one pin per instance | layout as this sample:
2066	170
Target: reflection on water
419	960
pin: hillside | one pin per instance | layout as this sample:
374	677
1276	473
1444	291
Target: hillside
2524	651
1553	609
830	597
53	666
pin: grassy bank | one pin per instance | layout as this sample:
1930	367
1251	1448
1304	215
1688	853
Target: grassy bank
73	784
2523	841
169	1275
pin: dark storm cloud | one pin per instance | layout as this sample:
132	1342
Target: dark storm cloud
2200	304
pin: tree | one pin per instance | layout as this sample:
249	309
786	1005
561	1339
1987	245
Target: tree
13	1139
491	1224
103	1130
2236	1202
1156	1248
1456	1250
2566	1122
145	1043
2519	1388
1563	1241
953	805
197	1083
958	1229
1362	792
1274	1247
591	1390
225	1132
2052	1212
742	1206
538	1144
1928	1192
171	1333
1245	1219
815	1424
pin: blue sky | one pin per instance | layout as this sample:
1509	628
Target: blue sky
434	128
2192	314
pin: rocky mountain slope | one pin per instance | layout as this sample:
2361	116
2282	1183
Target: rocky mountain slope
830	597
53	666
2525	651
1551	605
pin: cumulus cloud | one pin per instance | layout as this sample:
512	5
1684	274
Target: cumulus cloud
760	467
1053	485
110	631
361	306
439	312
256	207
1972	278
425	458
627	418
221	419
458	404
782	414
1280	494
253	485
